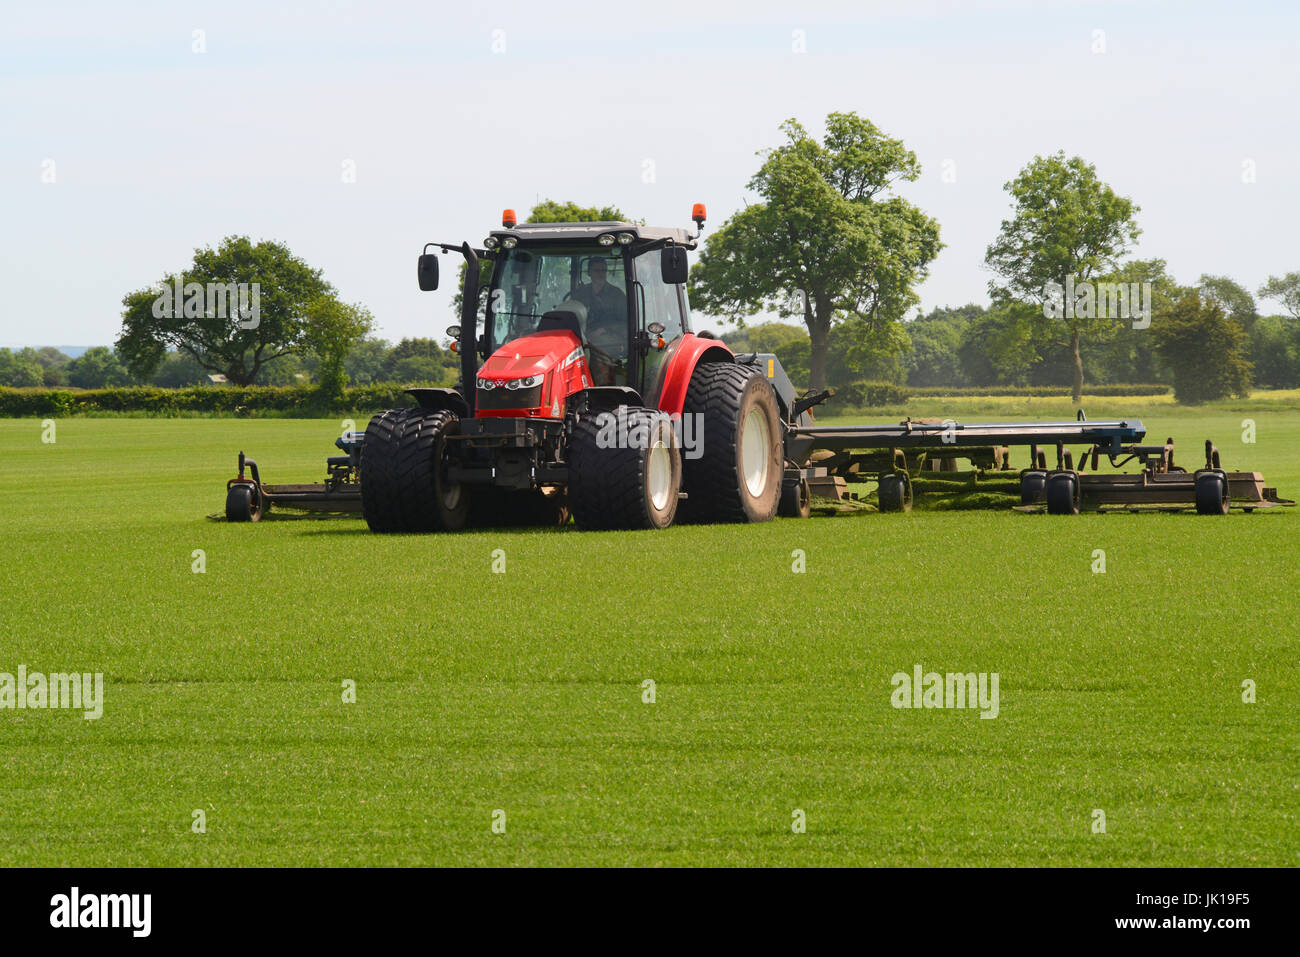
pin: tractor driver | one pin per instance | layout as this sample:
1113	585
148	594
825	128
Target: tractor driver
606	323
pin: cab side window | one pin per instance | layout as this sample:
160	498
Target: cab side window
661	302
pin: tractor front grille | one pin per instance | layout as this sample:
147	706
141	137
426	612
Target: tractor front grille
500	398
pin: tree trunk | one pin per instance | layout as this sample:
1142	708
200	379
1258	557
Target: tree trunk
1077	393
818	321
817	360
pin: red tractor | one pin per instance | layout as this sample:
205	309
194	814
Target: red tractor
583	390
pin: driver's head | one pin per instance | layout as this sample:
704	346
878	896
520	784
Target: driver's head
596	271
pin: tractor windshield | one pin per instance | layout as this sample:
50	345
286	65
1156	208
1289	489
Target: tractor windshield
528	283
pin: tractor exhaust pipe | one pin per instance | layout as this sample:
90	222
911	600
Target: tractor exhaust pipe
468	326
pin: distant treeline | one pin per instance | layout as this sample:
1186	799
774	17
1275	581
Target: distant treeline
370	361
978	348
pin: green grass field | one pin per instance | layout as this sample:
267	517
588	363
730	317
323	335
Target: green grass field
522	691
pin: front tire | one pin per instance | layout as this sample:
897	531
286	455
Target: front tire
625	470
737	478
403	474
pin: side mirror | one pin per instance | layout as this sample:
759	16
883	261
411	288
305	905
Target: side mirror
428	272
672	265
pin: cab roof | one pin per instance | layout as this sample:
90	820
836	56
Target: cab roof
587	232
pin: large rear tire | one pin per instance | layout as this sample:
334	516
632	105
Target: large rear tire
625	470
737	478
403	478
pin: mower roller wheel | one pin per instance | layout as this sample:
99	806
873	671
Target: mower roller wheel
1033	485
893	493
796	500
1211	494
1062	494
242	504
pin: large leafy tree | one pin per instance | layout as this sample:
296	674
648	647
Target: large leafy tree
1204	347
1066	223
827	242
222	344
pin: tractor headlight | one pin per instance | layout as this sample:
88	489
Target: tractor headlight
605	239
528	382
624	239
490	243
487	385
510	242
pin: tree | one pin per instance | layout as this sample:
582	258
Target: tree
827	242
1235	300
97	368
1275	352
53	364
365	362
997	346
1067	226
421	370
209	327
788	343
935	339
1129	354
178	370
21	370
1205	349
333	328
434	364
857	350
549	211
1284	289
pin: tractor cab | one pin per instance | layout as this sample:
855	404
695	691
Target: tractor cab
618	289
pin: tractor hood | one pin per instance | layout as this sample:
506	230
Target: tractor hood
532	376
531	355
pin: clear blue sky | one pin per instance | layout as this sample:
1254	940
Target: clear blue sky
158	149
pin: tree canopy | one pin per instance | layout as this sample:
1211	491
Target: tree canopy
210	328
1067	225
827	242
